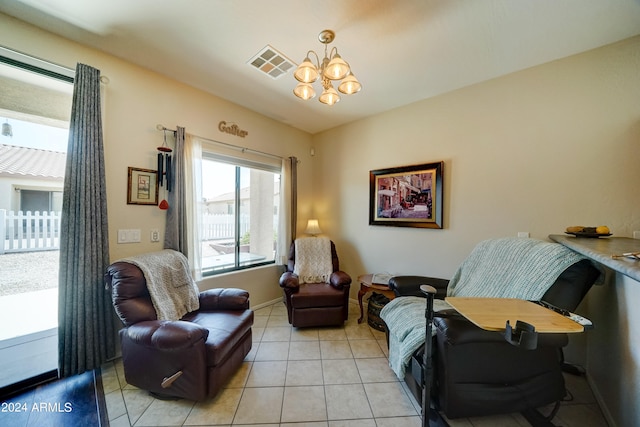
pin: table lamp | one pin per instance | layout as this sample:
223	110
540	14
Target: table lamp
312	227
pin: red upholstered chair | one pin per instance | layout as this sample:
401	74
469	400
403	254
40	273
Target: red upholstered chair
317	303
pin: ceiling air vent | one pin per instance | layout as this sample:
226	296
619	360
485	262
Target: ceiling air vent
271	62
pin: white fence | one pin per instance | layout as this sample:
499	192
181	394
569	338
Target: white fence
27	231
40	231
222	226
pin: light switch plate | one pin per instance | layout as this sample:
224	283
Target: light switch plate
129	236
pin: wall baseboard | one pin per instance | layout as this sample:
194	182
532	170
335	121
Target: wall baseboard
601	402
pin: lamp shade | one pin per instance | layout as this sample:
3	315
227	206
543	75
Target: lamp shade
312	227
350	85
306	72
304	91
329	96
337	68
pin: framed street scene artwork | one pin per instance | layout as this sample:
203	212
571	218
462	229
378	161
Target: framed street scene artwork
406	196
142	187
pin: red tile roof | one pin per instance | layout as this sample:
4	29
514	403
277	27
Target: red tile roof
31	162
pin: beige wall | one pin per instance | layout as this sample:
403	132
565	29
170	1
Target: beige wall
135	101
537	151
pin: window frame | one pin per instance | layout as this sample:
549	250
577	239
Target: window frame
210	153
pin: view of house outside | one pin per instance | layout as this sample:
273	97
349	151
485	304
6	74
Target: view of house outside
32	161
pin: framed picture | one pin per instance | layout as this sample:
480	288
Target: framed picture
407	196
143	187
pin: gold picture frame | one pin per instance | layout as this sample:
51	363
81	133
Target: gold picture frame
407	196
142	188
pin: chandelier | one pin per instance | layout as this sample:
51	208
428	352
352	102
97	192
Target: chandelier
332	67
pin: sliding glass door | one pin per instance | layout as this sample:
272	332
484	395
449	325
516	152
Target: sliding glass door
34	113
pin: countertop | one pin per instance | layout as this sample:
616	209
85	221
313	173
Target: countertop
601	249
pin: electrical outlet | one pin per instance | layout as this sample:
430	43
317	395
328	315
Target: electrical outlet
523	234
155	235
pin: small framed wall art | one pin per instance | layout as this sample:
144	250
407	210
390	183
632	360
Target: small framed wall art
407	196
142	187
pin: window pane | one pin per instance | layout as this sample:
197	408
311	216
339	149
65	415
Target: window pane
218	219
240	216
257	216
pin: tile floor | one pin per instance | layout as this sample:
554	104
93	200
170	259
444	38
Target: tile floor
66	402
324	377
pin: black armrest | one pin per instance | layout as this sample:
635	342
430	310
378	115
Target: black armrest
404	286
457	330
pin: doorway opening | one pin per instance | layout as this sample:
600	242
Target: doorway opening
35	107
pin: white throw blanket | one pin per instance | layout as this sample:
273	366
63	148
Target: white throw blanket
313	260
173	291
496	268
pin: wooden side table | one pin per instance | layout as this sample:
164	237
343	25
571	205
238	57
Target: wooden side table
366	285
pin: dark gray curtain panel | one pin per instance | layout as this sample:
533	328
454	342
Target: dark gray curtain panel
175	233
85	315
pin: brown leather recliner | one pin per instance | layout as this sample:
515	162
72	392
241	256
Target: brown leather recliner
191	358
316	304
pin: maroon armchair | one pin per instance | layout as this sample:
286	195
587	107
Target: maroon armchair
316	304
189	358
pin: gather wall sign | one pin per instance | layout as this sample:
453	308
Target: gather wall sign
232	129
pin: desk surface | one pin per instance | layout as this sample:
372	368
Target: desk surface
492	314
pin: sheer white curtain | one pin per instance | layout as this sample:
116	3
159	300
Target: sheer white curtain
194	202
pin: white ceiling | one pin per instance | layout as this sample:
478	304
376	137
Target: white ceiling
401	50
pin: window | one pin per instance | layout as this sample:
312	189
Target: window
45	201
239	213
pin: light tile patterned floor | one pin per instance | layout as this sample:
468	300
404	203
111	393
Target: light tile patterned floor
317	377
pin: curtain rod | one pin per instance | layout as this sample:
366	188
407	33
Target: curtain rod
235	147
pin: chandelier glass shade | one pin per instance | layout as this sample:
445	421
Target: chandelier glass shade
331	68
304	91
